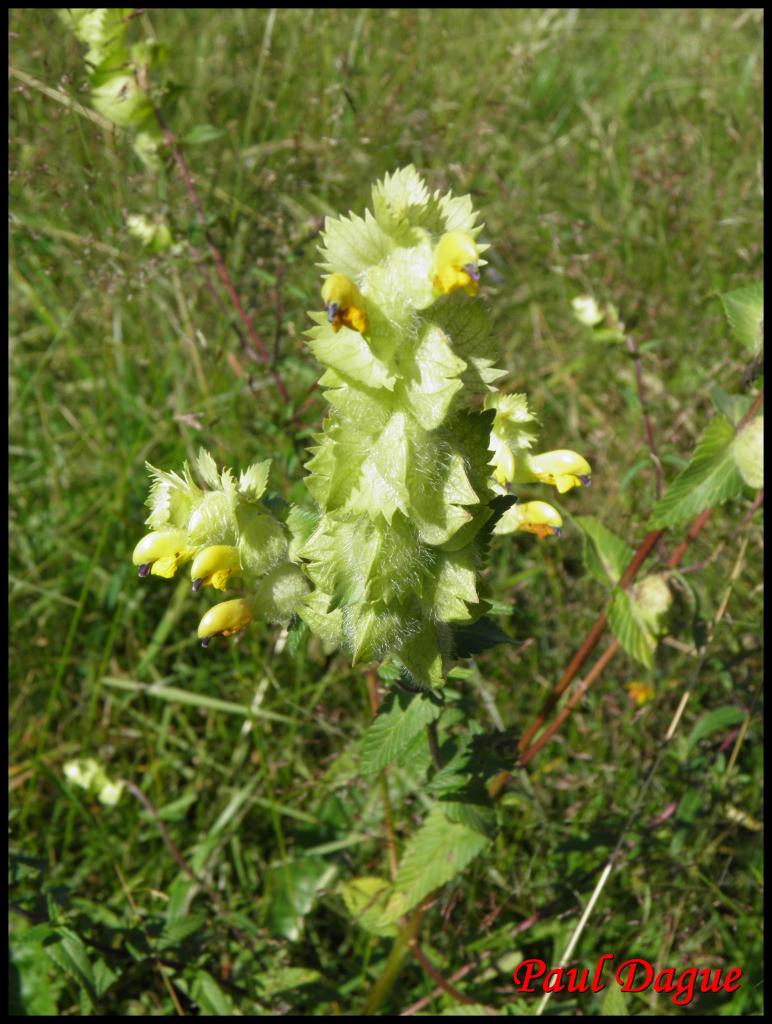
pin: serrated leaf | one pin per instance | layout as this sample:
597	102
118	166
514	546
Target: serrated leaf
479	637
253	481
176	931
365	900
353	244
630	629
606	556
734	407
349	355
478	816
211	999
744	308
286	979
710	479
400	718
714	721
71	956
439	851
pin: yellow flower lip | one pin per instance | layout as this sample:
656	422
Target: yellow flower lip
540	518
214	566
161	552
535	517
344	303
225	619
563	469
455	264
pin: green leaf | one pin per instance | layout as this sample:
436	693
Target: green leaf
400	718
365	900
631	629
70	956
614	1003
177	930
479	637
607	557
200	134
211	999
353	244
734	407
294	888
348	354
253	481
744	308
439	851
31	992
710	479
714	721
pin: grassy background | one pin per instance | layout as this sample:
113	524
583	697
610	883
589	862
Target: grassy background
612	152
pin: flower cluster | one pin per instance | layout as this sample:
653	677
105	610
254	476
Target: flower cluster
227	533
412	469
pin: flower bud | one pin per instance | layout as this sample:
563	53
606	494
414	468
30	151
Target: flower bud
748	452
456	264
531	517
344	303
214	566
161	552
225	619
562	469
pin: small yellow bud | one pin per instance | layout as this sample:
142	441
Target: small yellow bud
344	303
531	517
214	566
563	469
455	264
161	552
225	619
640	692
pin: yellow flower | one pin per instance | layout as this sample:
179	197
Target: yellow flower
214	566
563	469
640	692
161	552
225	619
344	303
455	264
532	517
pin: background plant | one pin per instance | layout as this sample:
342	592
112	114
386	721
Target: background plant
668	212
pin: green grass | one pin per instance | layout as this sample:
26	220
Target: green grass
612	152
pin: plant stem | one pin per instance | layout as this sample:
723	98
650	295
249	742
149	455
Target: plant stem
399	951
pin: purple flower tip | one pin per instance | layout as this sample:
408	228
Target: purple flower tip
472	270
332	311
557	531
197	584
144	569
205	641
585	481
